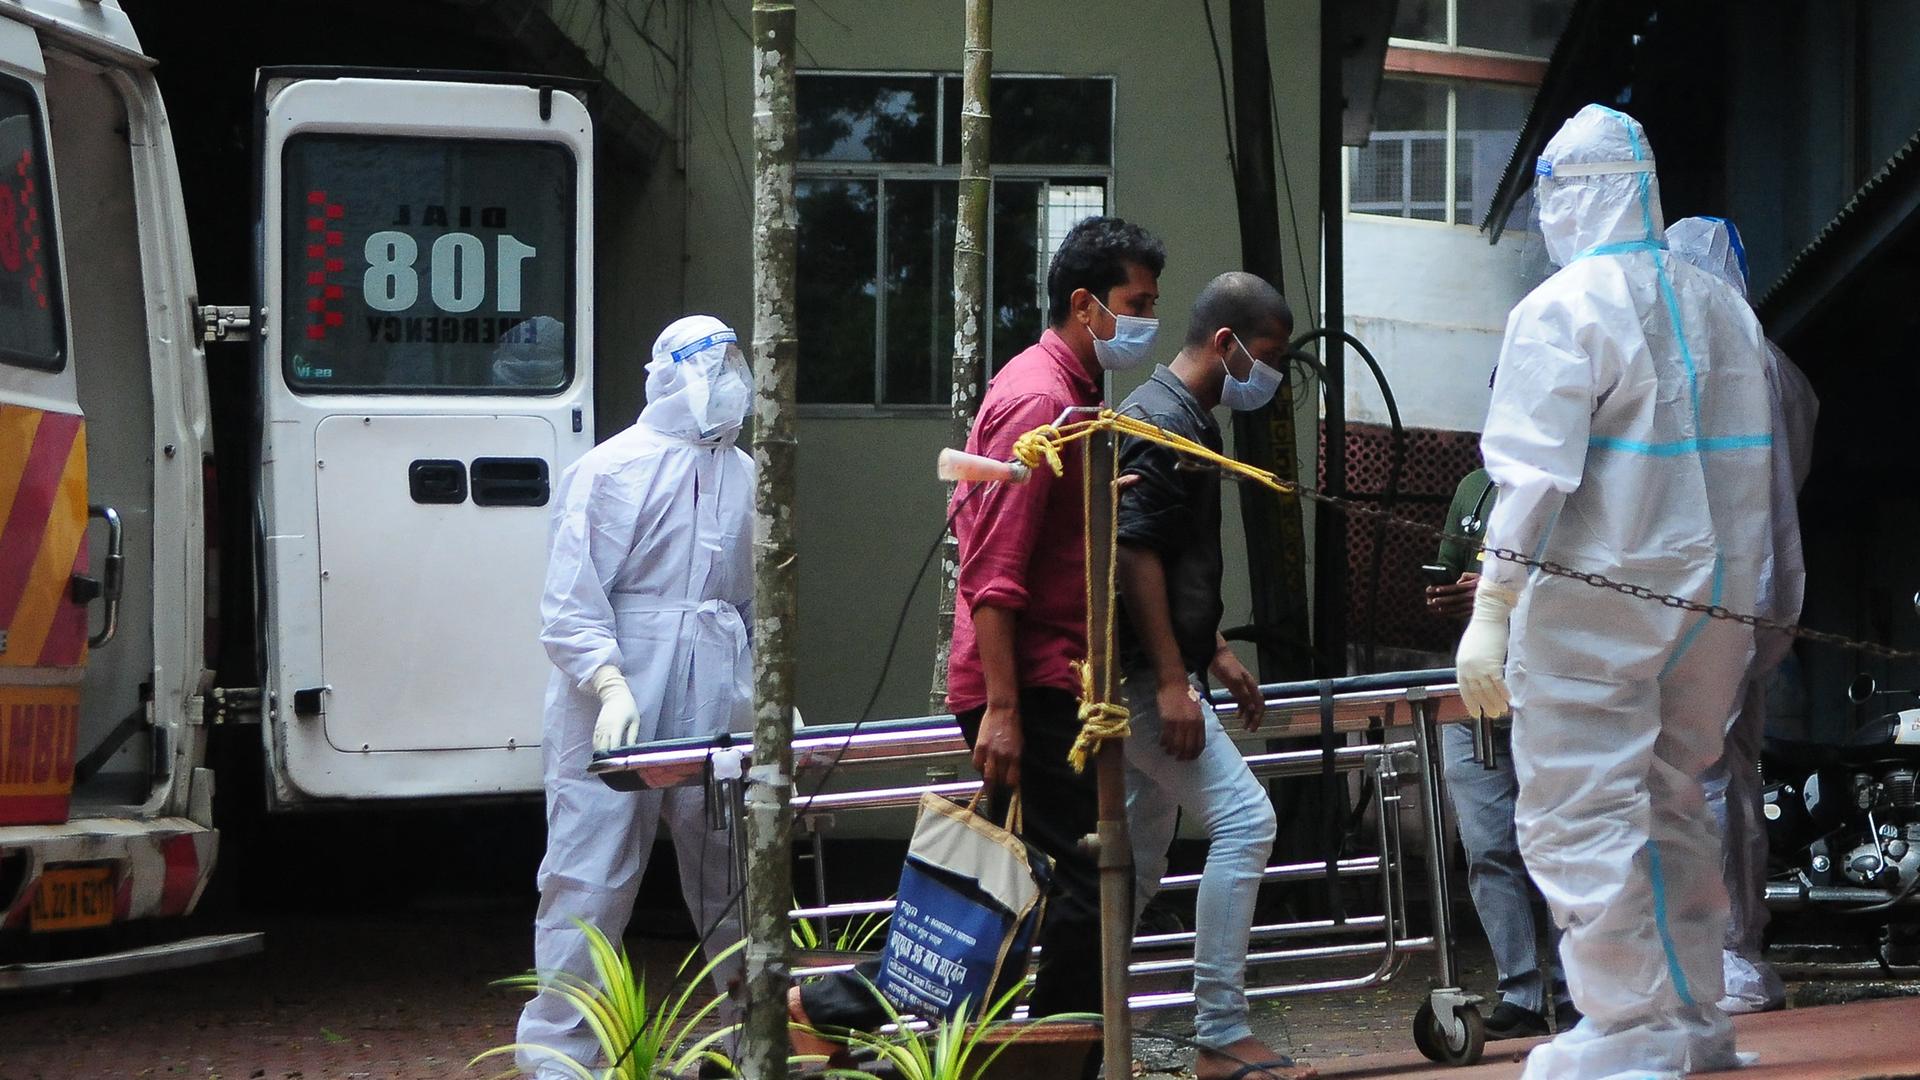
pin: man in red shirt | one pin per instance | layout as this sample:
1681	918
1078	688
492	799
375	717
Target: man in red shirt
1022	616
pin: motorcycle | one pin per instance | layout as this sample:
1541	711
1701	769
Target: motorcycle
1843	826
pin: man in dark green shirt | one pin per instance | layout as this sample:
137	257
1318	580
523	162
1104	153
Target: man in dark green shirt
1482	794
1472	503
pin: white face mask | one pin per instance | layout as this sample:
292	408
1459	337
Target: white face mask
1254	391
1131	343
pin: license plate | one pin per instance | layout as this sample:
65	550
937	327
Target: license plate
73	898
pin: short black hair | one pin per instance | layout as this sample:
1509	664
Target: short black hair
1094	257
1242	302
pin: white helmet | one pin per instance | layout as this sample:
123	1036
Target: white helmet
698	383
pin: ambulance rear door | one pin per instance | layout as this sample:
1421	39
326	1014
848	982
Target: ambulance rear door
426	373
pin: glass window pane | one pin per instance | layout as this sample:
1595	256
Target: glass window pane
31	330
919	283
1422	20
1030	219
1401	172
1489	119
865	118
427	265
1042	121
836	293
1529	27
1019	275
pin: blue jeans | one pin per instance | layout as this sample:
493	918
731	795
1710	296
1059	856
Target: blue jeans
1220	790
1503	895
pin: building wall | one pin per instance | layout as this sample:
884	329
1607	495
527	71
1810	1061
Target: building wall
1818	99
868	506
1431	302
1792	159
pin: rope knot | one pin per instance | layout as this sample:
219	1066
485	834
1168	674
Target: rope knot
1039	446
1099	720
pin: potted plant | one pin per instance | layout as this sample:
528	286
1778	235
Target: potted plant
641	1037
959	1049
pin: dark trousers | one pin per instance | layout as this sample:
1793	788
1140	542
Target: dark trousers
1058	808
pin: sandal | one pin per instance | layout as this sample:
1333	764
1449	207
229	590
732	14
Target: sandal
1261	1070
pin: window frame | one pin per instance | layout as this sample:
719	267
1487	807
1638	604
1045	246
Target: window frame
881	173
55	262
1451	135
570	230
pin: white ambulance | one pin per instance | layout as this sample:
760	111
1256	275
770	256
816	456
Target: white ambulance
420	332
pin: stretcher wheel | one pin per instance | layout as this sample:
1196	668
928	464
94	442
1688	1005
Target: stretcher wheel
1432	1039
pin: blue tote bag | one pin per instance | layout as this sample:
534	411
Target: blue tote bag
971	895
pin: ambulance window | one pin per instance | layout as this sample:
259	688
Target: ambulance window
31	331
419	265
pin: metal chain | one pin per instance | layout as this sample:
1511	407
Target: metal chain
1601	581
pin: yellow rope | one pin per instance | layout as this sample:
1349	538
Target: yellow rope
1102	718
1037	446
1099	720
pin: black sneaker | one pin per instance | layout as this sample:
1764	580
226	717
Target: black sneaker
1565	1016
1510	1021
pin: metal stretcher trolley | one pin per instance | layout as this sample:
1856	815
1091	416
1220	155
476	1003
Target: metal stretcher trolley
1398	717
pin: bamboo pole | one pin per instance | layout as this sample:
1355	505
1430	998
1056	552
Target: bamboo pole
1112	849
764	1045
969	296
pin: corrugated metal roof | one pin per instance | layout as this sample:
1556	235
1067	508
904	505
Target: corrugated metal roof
1896	180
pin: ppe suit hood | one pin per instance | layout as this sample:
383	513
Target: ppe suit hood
1713	245
1595	185
698	384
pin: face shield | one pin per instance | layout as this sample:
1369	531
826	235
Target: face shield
1595	188
698	383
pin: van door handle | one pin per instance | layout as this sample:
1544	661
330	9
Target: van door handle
112	580
509	481
435	481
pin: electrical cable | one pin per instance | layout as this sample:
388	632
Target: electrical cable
1293	215
1396	464
1220	67
1390	494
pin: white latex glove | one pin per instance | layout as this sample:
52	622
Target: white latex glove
1481	662
619	721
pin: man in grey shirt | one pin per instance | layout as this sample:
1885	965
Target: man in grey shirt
1169	575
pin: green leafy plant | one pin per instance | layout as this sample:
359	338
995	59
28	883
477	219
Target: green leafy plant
852	936
646	1038
943	1049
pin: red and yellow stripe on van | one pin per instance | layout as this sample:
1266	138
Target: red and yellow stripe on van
43	537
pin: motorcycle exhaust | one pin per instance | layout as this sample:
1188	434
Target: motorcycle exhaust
1793	896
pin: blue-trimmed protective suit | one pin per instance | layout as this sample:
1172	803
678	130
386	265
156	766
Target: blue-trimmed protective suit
650	572
1630	433
1733	784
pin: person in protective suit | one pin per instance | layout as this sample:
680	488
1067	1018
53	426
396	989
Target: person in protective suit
1630	433
1733	783
645	614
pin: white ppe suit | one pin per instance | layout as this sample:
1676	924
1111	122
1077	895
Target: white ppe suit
652	572
1629	433
1733	783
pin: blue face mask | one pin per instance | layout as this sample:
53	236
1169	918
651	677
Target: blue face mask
1254	391
1131	343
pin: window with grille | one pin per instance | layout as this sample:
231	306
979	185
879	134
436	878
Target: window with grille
877	193
1440	144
